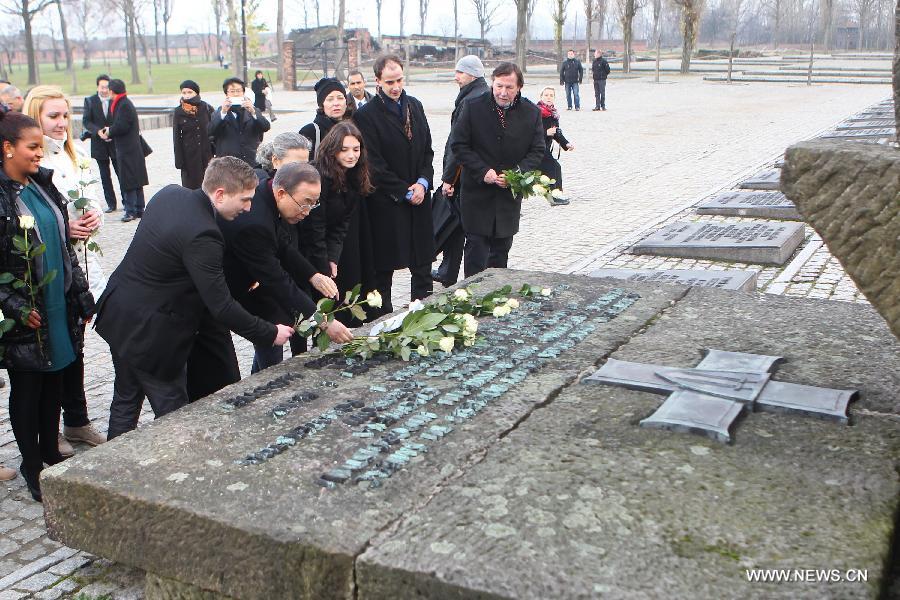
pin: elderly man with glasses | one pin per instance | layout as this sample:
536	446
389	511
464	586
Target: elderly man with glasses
264	270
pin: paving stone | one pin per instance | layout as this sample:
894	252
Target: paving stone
37	582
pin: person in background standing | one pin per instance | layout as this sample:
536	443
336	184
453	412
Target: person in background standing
125	132
72	171
95	117
398	142
600	70
356	83
190	133
332	100
261	92
469	77
237	126
11	97
570	75
47	334
495	132
552	133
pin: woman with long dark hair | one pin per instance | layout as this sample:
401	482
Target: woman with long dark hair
46	336
344	167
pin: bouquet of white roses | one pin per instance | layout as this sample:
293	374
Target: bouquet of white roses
533	184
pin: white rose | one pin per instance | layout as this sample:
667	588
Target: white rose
545	180
545	292
1	315
446	344
373	299
539	190
461	294
512	303
469	341
84	163
422	350
501	311
26	221
416	305
557	193
470	323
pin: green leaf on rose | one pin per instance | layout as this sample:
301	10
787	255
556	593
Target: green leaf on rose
322	341
325	305
74	194
405	353
6	278
357	311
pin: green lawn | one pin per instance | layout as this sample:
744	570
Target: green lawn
166	78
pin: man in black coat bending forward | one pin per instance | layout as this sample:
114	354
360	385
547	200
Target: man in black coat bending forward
398	143
495	132
170	281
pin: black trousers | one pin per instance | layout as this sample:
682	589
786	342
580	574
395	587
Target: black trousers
212	363
74	403
600	93
484	252
34	416
451	261
421	285
109	191
131	387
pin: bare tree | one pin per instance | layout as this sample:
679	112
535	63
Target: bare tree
378	10
827	23
187	44
339	65
521	31
896	79
423	14
627	10
657	31
589	8
455	29
863	10
690	19
532	4
53	46
736	11
27	10
217	15
485	11
156	30
559	20
234	31
140	35
599	18
166	17
67	47
402	11
279	36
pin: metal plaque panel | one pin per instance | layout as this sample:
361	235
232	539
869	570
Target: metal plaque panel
737	203
827	403
689	412
723	360
770	179
723	280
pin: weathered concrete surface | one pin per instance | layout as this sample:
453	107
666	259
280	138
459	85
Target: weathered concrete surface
850	194
580	502
169	499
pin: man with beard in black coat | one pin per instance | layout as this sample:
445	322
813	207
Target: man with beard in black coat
495	132
398	141
470	78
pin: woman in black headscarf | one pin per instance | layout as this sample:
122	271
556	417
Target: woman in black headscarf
331	97
190	135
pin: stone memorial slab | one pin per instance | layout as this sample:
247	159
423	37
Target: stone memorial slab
868	124
656	514
759	243
744	281
736	203
274	486
859	133
764	180
848	193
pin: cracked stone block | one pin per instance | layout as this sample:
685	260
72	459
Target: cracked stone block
849	194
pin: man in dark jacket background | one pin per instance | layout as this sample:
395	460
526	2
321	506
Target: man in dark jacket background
237	126
263	267
398	143
130	150
469	77
94	118
600	70
570	75
169	281
495	132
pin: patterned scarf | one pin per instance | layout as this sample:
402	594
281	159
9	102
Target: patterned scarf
188	108
548	110
397	109
501	112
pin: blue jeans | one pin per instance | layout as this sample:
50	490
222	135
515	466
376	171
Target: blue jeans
133	201
572	89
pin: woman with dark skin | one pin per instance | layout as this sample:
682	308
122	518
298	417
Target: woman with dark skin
344	168
47	333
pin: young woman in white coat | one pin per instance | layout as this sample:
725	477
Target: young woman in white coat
73	171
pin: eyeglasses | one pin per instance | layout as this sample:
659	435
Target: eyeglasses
307	208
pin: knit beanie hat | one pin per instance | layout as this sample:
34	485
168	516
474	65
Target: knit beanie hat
325	86
190	84
471	65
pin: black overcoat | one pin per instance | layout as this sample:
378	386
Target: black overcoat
190	137
308	131
93	120
402	234
169	282
480	143
238	137
126	135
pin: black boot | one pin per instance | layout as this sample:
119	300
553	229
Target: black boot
32	481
